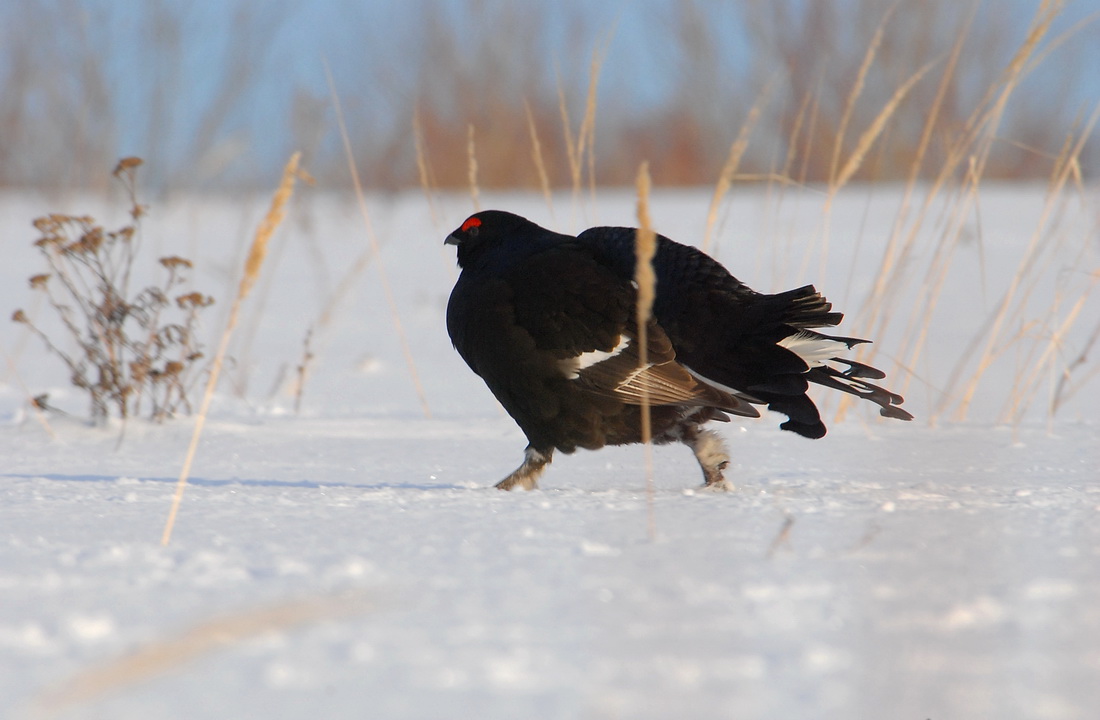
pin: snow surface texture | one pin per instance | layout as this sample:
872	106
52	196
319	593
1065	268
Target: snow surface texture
887	570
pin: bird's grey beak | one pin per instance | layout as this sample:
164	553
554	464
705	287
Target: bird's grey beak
452	240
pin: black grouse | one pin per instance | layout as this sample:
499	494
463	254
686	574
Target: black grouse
548	321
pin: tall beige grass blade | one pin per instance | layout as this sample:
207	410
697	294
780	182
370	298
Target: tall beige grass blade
871	134
571	153
729	168
1065	389
536	156
372	239
885	294
586	141
471	167
170	653
1027	266
981	130
645	247
427	185
1024	388
256	254
857	90
855	160
424	168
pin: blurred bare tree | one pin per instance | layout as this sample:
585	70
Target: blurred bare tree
215	94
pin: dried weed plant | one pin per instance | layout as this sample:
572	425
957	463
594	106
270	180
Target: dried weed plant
131	352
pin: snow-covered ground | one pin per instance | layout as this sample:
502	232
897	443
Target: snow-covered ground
352	560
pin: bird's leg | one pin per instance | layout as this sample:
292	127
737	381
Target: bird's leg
526	475
711	453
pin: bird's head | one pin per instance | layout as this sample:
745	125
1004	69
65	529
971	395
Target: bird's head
484	231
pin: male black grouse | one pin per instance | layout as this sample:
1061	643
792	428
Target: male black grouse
548	321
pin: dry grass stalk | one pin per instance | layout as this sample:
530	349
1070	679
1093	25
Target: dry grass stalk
897	249
855	161
577	149
972	145
303	371
1024	388
867	139
839	176
571	153
856	91
587	137
372	239
729	168
258	250
536	156
424	169
645	247
1028	268
471	167
1065	390
170	653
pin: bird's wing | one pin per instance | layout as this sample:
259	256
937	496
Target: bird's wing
583	313
660	380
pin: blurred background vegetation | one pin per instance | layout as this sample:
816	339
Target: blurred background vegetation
217	93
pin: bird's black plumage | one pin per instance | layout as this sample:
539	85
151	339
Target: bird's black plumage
548	322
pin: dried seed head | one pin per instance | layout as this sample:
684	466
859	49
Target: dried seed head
126	163
173	368
138	370
38	282
174	262
89	242
19	317
194	300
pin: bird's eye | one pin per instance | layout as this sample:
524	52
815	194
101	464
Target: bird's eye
472	231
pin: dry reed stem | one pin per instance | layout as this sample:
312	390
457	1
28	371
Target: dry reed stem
859	153
256	254
919	326
471	167
587	140
303	371
856	91
645	247
571	154
896	249
372	239
536	156
1064	390
170	653
796	129
426	179
729	168
1024	389
1026	266
423	168
985	118
863	145
1066	168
